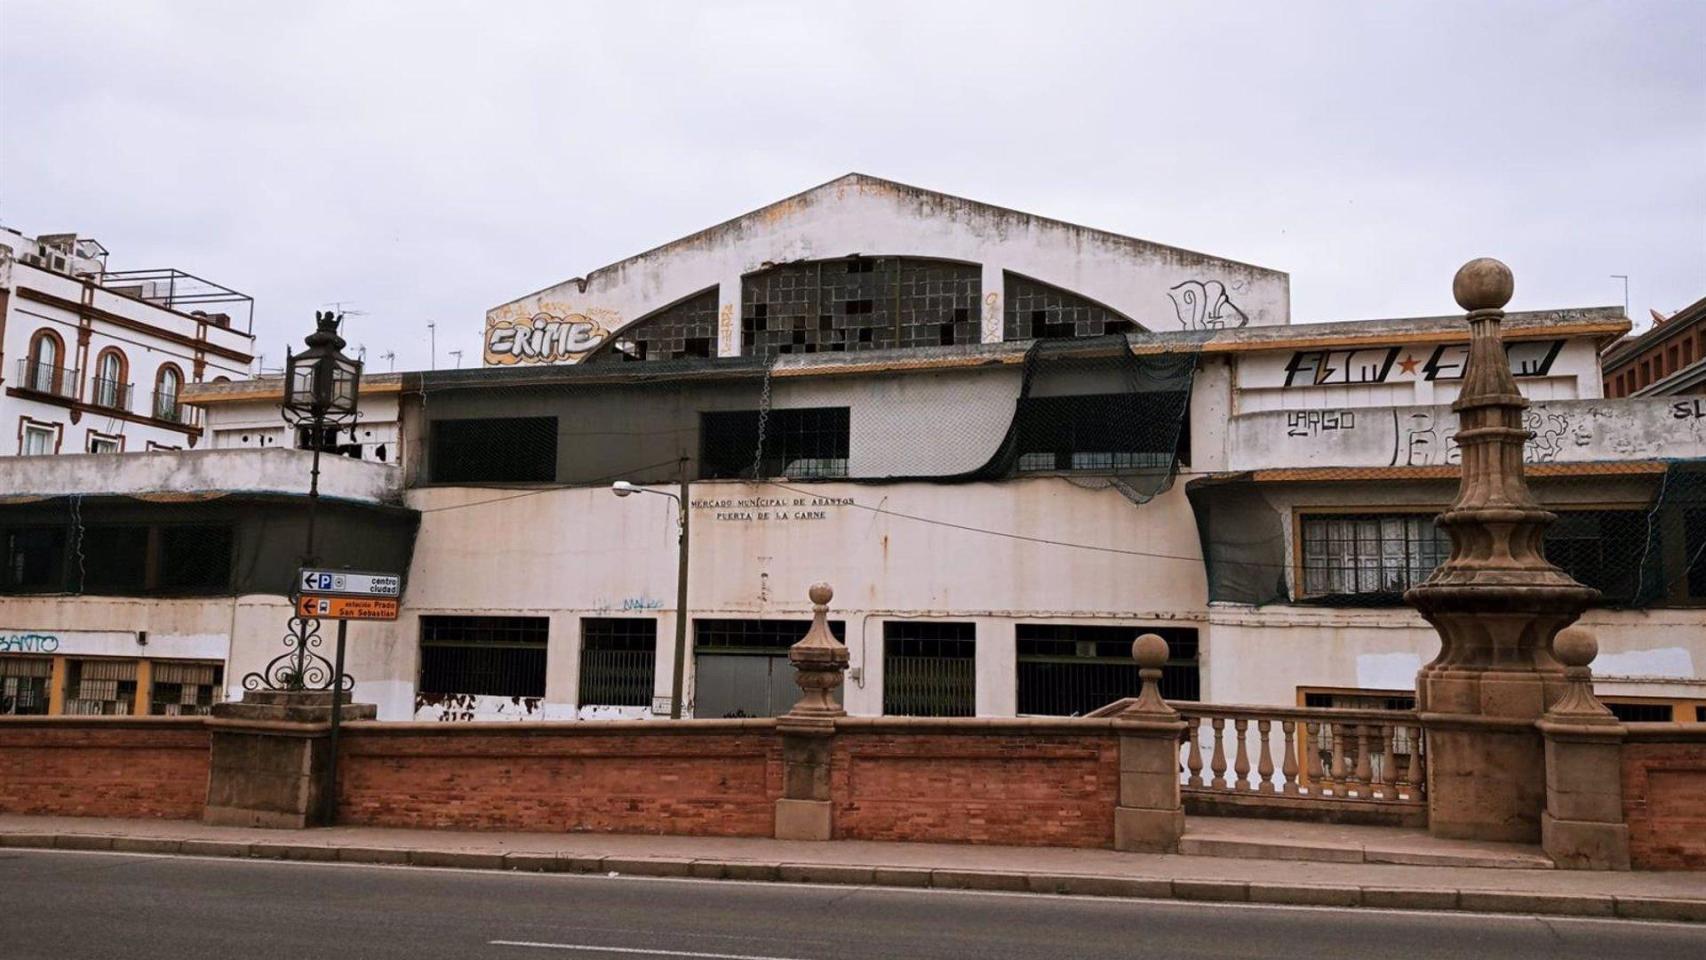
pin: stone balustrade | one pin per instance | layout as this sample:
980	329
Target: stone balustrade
1290	758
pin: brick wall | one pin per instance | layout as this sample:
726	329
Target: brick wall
1664	797
77	767
707	778
1035	787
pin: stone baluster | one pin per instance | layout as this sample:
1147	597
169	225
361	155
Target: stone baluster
1365	763
808	730
1288	762
1265	766
1193	755
1218	764
1241	767
1339	776
1413	773
1312	746
1389	761
1150	816
1583	825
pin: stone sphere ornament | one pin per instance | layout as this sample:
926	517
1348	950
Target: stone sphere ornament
821	594
1150	651
1575	646
1483	284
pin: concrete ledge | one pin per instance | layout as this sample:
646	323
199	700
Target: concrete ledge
1091	885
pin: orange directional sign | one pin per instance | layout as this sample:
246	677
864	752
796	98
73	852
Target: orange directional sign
346	608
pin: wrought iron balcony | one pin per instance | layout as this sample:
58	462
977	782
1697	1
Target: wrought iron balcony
111	394
46	378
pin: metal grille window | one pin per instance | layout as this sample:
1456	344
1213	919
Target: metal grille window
34	560
859	303
798	442
755	636
1067	669
494	450
1114	431
929	668
1600	548
1038	311
1370	553
1694	547
1642	712
618	661
685	329
23	685
100	687
185	689
483	656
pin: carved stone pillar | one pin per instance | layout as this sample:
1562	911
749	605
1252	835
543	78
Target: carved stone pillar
1583	827
1496	603
808	730
1150	817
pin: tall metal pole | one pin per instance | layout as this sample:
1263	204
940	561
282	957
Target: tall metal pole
318	426
330	800
680	602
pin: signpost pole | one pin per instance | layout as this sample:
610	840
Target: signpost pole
329	817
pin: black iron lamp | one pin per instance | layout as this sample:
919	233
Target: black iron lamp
320	382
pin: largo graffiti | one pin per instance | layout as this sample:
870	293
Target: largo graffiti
543	338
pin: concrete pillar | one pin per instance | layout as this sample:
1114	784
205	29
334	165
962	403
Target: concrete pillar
1583	827
1150	817
270	756
808	730
1496	604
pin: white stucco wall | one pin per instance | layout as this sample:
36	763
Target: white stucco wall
273	470
1161	288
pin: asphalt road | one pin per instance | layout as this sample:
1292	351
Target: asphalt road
87	905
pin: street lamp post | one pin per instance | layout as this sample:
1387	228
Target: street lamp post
623	488
320	389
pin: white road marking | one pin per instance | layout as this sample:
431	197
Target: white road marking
639	951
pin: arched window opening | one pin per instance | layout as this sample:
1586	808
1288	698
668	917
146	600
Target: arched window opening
44	367
860	303
684	329
168	383
111	390
1038	311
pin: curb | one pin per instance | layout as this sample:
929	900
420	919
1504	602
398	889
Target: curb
1071	884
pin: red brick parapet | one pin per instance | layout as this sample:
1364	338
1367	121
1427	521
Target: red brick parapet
134	767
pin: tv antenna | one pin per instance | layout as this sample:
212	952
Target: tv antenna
458	355
390	357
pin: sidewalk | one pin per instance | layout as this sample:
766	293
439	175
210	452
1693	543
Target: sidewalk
1649	896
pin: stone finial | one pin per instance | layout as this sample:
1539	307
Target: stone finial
819	662
1150	651
1483	284
1575	647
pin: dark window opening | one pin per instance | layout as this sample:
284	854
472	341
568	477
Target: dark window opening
195	559
114	559
684	329
757	637
1601	549
329	440
1694	546
495	450
35	560
929	668
100	688
1067	670
890	302
1642	712
483	656
741	668
1116	431
618	661
798	442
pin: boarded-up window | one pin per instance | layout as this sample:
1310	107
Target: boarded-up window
483	656
100	687
185	689
494	450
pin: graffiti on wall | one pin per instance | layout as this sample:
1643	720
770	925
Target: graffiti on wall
1422	439
1309	423
28	643
1205	305
1528	358
545	337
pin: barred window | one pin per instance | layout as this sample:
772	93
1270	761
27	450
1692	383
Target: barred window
798	442
1642	712
494	450
483	656
1114	431
1070	669
1370	553
104	688
34	560
859	303
618	661
929	668
1600	548
23	685
185	689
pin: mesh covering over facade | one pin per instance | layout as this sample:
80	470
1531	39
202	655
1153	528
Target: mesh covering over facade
1038	311
859	303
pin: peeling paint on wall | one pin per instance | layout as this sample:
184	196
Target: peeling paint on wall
463	707
1674	662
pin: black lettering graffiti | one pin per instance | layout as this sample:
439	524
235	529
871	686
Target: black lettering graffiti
1689	409
1309	423
1321	367
1204	305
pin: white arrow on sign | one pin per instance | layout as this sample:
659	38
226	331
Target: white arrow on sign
351	584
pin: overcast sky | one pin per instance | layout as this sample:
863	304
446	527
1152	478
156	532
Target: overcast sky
426	161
